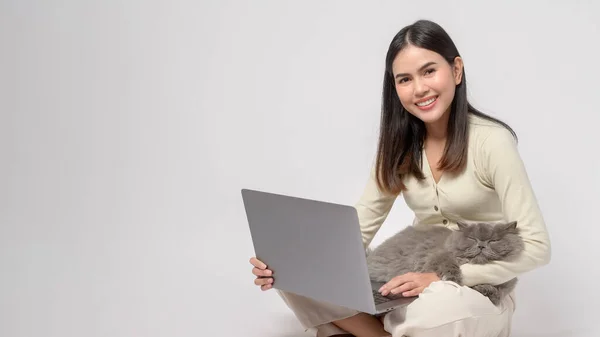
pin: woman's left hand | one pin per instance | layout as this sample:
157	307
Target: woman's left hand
410	284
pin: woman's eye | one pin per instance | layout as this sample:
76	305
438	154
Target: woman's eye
429	71
403	80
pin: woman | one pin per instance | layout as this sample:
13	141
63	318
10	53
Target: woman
449	162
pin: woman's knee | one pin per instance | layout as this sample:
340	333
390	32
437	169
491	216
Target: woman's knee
445	309
449	294
443	303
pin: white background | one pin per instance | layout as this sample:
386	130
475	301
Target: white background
128	128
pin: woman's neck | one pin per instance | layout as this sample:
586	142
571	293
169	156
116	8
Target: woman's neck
438	130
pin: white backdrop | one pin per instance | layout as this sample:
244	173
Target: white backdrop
128	128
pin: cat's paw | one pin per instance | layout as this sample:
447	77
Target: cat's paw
488	291
452	274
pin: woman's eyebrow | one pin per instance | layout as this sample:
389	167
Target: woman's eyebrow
422	67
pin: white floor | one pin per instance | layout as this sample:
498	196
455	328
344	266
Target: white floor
184	281
180	279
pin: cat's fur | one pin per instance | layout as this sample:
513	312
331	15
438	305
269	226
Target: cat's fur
442	251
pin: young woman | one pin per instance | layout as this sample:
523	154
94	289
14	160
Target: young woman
449	162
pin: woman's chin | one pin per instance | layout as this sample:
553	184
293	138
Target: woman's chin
428	117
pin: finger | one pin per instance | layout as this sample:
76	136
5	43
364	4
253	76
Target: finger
413	292
257	263
261	272
394	283
263	281
404	287
266	287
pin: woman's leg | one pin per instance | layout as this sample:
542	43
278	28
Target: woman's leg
327	320
450	310
362	325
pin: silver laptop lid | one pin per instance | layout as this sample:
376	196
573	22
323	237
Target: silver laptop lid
314	248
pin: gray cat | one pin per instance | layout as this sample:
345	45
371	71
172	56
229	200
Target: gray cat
442	251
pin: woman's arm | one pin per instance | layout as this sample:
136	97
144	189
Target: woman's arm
373	208
505	172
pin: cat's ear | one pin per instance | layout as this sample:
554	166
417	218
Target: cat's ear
509	227
462	225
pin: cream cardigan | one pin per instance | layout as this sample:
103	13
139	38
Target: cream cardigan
494	187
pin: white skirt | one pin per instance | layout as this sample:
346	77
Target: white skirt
442	309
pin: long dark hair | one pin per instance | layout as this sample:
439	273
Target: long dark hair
402	134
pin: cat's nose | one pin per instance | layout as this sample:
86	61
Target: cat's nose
481	246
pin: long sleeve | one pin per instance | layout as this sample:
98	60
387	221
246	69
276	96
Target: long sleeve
506	174
373	208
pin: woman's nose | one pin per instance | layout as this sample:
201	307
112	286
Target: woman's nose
421	89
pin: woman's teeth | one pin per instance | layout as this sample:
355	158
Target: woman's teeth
427	102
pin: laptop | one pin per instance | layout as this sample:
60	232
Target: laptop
315	249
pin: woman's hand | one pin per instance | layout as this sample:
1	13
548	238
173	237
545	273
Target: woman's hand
410	284
264	277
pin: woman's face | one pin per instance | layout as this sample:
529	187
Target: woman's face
425	82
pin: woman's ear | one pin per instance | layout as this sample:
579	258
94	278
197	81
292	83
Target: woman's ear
457	70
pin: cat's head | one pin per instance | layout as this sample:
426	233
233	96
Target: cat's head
481	243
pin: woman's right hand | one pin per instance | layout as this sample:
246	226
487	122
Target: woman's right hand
264	276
